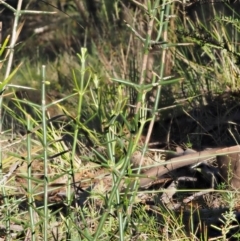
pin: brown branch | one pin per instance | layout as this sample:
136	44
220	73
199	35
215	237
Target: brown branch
156	172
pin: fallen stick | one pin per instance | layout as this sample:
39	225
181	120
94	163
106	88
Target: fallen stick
155	173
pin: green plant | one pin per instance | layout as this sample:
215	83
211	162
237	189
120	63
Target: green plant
74	179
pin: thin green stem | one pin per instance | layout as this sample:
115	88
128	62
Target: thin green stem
45	154
111	146
29	174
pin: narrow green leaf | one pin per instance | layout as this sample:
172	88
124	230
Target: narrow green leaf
6	81
3	47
